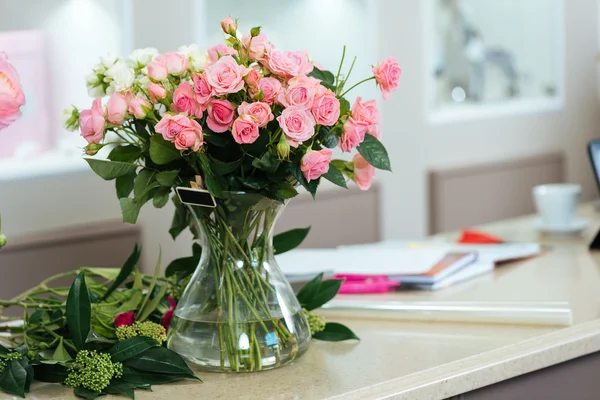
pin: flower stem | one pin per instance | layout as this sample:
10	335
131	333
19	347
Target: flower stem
355	85
337	77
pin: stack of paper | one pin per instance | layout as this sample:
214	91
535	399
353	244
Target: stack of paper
429	266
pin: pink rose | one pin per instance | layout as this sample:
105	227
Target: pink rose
157	69
375	130
326	109
190	137
91	122
220	115
299	93
353	134
171	125
245	129
172	63
157	92
252	78
202	89
288	63
11	93
229	26
387	74
259	110
365	111
258	46
220	50
226	76
184	101
315	163
297	124
138	105
363	172
270	87
177	63
116	108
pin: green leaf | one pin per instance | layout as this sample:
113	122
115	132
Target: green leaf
179	222
214	185
375	153
144	182
335	176
161	197
14	378
141	311
50	373
344	106
130	209
86	393
4	350
124	184
60	353
268	163
289	240
125	272
122	388
311	288
95	337
133	302
182	267
324	76
128	153
197	250
160	360
161	151
331	140
109	170
79	311
335	332
326	292
29	369
286	190
152	304
132	347
137	377
219	139
167	178
224	168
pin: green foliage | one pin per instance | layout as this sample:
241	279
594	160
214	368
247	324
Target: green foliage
78	311
374	152
125	271
161	151
335	176
335	332
131	347
128	153
289	240
109	170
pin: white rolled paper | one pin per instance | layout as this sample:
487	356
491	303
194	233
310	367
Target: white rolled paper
525	313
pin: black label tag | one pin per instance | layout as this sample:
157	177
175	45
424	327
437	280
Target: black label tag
196	197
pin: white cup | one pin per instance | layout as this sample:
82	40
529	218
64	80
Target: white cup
557	203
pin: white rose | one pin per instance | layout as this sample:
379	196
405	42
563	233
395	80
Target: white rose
120	76
141	57
197	57
95	86
108	60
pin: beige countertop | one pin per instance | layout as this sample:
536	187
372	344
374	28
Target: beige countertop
420	360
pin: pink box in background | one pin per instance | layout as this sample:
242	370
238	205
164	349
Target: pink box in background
31	134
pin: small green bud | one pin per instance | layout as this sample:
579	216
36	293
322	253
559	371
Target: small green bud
43	346
283	147
254	32
315	322
93	148
70	118
2	240
259	96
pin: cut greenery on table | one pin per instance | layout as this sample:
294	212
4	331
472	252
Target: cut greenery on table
105	333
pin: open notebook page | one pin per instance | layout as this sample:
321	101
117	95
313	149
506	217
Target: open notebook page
372	260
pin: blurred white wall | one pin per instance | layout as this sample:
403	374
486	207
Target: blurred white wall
415	145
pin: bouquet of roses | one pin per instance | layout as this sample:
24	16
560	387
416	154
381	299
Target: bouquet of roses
244	116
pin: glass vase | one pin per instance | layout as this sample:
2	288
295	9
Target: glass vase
238	313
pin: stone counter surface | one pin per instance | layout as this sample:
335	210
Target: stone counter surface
421	360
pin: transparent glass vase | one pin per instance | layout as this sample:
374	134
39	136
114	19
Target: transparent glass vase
238	313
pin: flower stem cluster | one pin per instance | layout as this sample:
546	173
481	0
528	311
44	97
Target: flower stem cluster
147	328
315	321
93	371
